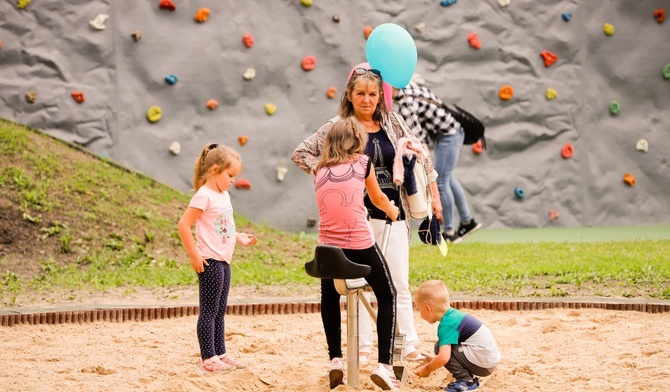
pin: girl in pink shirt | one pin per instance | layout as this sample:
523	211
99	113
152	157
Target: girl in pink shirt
211	212
342	176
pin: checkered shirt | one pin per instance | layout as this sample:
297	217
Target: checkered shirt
423	117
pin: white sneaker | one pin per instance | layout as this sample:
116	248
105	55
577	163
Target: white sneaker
336	372
363	360
384	379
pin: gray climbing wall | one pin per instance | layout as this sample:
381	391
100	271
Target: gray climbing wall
50	49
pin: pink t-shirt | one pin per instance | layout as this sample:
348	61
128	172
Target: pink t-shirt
339	197
215	229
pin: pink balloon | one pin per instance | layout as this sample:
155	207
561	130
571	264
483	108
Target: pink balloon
386	88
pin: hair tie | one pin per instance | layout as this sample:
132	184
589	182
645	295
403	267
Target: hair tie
212	146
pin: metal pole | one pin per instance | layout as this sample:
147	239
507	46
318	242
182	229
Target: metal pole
352	339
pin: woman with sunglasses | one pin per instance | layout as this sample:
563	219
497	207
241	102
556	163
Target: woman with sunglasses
364	100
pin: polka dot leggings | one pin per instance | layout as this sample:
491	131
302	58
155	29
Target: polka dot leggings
214	287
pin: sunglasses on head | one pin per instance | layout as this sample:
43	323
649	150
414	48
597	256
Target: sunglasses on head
363	71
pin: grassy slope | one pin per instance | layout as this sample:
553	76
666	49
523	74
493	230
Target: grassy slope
71	221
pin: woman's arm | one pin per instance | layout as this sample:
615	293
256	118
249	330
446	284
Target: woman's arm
306	155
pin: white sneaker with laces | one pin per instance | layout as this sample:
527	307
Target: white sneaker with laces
384	379
336	372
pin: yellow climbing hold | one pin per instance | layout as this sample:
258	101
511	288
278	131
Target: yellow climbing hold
270	108
608	28
23	3
154	113
307	3
550	94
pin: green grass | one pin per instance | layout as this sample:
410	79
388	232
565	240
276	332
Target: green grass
89	224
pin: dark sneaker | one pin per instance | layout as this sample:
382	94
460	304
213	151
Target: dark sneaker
465	230
462	385
451	238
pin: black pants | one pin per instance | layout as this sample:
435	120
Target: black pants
382	285
214	286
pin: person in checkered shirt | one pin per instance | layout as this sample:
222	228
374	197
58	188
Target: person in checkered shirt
433	125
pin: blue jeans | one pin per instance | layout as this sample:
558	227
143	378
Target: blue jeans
447	148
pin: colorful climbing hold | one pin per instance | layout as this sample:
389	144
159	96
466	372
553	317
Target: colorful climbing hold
311	222
23	4
666	71
31	96
281	172
473	40
549	58
171	79
167	5
659	14
418	79
242	140
336	18
242	183
137	35
0	44
506	92
201	15
566	16
249	74
642	145
614	108
447	3
504	3
519	192
420	28
307	3
608	28
78	96
212	104
567	151
154	114
248	40
553	215
308	63
367	30
477	147
99	22
331	92
629	179
270	108
550	94
175	148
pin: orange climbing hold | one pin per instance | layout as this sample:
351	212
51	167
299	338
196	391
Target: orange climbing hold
477	147
308	63
506	92
331	92
78	96
567	151
241	183
167	5
629	179
248	40
202	15
212	104
553	215
549	58
659	14
242	140
474	41
367	31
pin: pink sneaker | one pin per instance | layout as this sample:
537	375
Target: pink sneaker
227	359
214	366
384	379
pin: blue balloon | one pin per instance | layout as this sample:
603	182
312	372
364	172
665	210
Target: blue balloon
391	50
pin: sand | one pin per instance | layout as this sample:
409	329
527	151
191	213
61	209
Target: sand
543	350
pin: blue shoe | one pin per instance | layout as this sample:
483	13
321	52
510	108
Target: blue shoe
462	385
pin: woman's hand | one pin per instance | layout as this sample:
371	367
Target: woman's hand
246	239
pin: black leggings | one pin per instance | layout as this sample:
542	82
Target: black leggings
214	287
382	285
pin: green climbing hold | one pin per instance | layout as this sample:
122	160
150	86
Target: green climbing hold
666	71
614	108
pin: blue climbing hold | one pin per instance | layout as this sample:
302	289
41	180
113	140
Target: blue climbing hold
447	3
566	16
519	192
171	79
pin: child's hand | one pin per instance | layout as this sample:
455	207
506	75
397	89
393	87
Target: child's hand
198	263
395	212
422	370
246	239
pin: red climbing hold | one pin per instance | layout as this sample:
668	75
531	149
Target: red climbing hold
567	151
474	41
78	96
242	140
331	92
367	31
308	63
212	104
553	215
241	183
167	5
659	14
629	179
549	58
248	40
202	15
477	147
0	44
